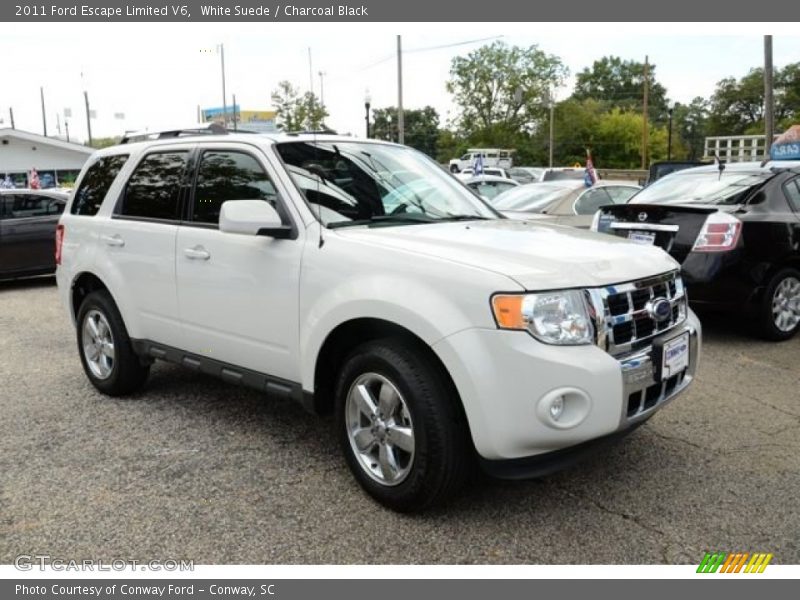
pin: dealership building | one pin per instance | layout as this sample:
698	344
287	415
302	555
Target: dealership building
56	161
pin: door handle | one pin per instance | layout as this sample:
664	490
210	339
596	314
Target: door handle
113	240
197	253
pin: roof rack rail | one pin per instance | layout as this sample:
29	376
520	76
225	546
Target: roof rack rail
199	129
313	131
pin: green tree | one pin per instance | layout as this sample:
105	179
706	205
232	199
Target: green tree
690	124
421	127
575	129
296	112
737	106
620	83
105	142
502	90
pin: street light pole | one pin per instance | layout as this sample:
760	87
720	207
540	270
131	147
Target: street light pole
669	135
367	104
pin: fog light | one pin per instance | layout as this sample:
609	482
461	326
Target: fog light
556	407
563	408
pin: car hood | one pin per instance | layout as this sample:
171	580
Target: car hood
536	255
520	215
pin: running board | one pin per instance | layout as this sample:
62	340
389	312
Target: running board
229	373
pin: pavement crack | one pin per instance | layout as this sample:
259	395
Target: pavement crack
675	438
617	513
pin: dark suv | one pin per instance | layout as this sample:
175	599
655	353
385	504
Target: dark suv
735	230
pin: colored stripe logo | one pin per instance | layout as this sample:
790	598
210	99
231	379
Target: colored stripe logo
734	562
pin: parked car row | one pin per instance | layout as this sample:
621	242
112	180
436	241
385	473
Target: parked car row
735	230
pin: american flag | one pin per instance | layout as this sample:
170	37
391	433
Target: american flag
590	178
33	180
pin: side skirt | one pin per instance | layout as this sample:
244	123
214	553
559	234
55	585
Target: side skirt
231	373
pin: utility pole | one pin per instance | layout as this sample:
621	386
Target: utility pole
234	112
224	95
310	72
769	102
552	119
88	116
321	88
645	128
66	128
401	134
11	115
44	115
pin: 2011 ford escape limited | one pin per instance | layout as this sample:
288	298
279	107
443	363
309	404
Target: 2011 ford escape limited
359	278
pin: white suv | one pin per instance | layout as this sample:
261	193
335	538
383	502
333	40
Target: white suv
359	278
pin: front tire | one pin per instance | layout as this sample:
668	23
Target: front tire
105	349
399	427
454	169
780	306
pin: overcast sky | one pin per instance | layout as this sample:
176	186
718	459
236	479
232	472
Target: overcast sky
157	74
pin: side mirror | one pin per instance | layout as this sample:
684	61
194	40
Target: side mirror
252	217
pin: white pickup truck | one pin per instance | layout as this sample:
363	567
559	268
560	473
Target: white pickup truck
360	279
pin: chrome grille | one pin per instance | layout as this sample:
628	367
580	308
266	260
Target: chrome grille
622	313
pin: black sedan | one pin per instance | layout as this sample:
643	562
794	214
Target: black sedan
28	220
735	230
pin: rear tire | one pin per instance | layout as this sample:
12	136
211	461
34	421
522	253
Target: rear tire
399	428
780	306
105	349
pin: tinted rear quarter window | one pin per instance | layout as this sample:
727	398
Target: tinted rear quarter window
153	189
792	189
95	184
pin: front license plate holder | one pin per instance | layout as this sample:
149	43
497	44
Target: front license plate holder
646	238
671	356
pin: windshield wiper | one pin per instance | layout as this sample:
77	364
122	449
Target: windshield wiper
464	218
398	218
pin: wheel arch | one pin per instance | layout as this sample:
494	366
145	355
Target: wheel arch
350	334
84	284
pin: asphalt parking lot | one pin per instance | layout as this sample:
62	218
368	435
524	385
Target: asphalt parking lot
197	469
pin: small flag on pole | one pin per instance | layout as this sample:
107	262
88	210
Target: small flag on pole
478	167
590	177
92	114
67	113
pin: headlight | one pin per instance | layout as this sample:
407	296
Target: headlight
552	317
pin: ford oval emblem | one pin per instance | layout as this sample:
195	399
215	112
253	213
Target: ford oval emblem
659	309
643	216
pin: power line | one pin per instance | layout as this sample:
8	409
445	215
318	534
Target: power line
427	49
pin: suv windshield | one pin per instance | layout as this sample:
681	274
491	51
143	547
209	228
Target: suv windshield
706	187
352	183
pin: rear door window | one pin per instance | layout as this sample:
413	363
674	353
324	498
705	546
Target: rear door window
591	200
153	190
23	206
96	183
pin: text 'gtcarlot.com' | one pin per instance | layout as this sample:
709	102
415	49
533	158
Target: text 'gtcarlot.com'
27	562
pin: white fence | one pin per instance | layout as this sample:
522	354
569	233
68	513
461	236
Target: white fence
735	148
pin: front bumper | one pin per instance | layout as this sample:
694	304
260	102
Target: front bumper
503	378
